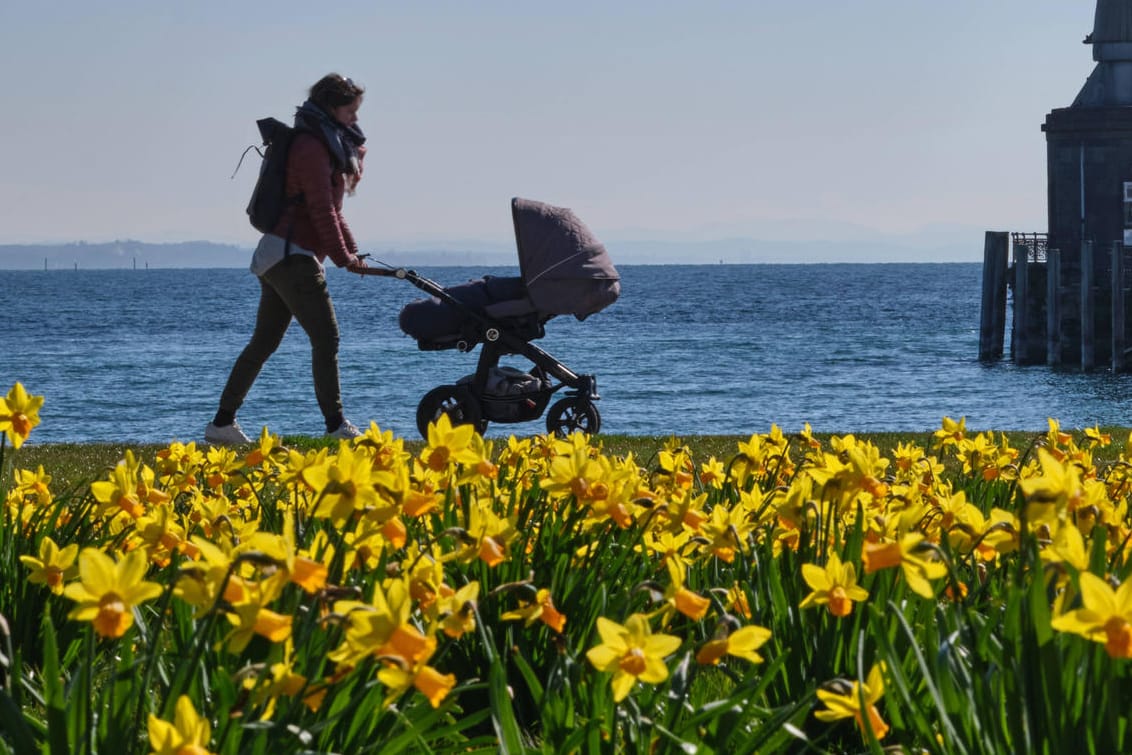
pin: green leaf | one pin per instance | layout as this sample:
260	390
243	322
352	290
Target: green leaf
502	711
15	727
54	699
534	686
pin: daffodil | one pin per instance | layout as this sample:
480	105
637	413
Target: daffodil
834	586
187	735
713	473
856	702
632	653
381	627
540	609
679	598
487	537
456	609
448	445
909	554
107	592
399	676
251	616
1050	493
951	432
282	680
53	565
267	448
33	487
342	483
1106	615
19	413
742	643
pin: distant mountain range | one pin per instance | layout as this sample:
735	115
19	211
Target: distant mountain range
946	247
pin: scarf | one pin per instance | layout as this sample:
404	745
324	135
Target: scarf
343	142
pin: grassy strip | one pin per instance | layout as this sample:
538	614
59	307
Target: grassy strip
76	464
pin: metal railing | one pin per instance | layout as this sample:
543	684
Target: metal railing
1036	245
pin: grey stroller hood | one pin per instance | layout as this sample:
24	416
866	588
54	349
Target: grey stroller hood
565	268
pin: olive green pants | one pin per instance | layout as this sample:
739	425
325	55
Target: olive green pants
294	288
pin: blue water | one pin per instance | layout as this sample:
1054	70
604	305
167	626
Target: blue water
141	355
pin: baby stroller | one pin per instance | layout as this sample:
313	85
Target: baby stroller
564	270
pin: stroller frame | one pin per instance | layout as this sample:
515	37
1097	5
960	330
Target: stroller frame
470	403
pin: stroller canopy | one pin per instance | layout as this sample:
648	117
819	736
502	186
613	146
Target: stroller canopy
565	268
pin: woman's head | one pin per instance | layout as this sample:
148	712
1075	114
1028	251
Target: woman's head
338	96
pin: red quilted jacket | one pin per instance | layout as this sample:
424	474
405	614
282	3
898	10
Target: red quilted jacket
317	220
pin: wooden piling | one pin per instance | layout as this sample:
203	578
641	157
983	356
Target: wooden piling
1053	307
992	326
1088	308
1020	333
1119	360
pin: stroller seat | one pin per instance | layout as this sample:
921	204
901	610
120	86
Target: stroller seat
437	325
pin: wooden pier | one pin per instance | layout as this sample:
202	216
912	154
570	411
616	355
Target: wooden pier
1066	310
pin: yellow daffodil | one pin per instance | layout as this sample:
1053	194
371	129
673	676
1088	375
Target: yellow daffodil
631	652
456	609
726	531
1057	488
713	473
540	609
487	537
834	586
33	487
908	554
19	413
742	643
448	445
1106	616
381	627
251	616
951	432
1068	547
737	601
187	735
282	680
398	677
120	491
841	703
53	565
680	598
107	592
342	484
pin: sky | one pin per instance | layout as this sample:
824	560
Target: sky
793	119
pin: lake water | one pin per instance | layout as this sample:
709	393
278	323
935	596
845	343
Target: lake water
141	355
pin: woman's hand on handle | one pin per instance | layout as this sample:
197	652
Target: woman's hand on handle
357	264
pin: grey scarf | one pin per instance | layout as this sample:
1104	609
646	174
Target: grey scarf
341	141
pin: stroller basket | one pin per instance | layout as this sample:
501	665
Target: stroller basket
563	270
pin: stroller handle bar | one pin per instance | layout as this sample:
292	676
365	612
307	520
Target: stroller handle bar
430	287
396	272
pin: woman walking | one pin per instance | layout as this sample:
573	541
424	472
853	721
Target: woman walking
324	163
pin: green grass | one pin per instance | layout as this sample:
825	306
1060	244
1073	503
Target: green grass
72	464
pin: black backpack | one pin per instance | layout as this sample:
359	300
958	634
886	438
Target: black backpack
269	197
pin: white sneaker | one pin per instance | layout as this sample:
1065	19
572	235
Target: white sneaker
229	435
345	431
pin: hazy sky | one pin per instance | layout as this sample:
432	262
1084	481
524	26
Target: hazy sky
125	118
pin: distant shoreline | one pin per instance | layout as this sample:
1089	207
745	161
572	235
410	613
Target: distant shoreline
126	255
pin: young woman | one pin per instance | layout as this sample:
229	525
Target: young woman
324	163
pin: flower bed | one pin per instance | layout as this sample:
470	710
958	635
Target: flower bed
541	594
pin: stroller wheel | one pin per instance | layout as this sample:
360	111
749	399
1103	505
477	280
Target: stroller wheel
454	400
571	414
